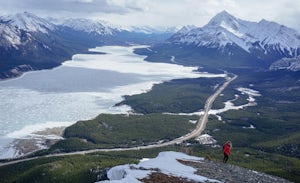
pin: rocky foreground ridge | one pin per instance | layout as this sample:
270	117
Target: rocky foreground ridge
177	167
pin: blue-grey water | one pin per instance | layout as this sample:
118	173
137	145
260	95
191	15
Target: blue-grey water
71	79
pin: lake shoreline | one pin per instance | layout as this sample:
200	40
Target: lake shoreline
63	103
39	140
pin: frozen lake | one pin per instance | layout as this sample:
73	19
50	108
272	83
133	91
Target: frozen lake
80	89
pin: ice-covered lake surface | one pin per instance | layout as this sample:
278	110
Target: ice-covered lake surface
80	89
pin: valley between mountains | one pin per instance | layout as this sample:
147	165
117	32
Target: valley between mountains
189	91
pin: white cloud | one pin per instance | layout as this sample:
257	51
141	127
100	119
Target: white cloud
171	13
86	1
199	12
161	13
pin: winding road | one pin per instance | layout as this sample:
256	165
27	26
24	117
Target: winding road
201	124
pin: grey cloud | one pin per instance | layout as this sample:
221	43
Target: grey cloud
159	12
67	6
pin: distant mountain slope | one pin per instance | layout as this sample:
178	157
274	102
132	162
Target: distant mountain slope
292	64
17	30
88	26
234	42
224	29
29	42
91	30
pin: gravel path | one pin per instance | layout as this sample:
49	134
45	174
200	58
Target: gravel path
231	173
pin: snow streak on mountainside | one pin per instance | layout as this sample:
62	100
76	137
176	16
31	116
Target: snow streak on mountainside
88	26
292	64
105	28
28	42
186	29
29	22
224	29
9	35
151	30
18	29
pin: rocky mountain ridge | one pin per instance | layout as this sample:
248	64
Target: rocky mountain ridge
292	64
224	29
27	39
89	26
39	43
228	42
19	29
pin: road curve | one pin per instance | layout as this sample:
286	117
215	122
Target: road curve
201	124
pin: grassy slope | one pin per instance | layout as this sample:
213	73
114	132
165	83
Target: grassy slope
71	169
109	131
176	96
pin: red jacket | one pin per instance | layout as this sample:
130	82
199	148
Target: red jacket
226	149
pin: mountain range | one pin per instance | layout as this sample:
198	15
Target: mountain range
269	140
29	42
232	42
224	30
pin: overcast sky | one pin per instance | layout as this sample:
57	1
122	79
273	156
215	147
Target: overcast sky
160	13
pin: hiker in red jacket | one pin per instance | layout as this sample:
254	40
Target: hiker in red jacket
226	150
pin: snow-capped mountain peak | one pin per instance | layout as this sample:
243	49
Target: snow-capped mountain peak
272	33
233	25
29	22
89	26
224	18
151	30
221	30
18	29
224	29
186	29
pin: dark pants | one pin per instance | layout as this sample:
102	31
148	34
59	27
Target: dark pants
226	157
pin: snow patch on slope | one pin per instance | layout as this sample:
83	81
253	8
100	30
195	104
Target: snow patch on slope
165	162
29	22
18	29
89	26
292	64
